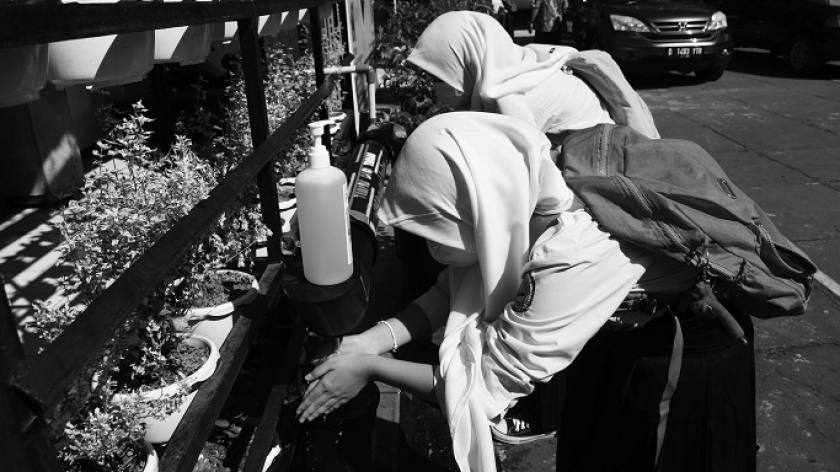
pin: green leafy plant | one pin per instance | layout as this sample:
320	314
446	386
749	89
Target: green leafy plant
134	195
107	437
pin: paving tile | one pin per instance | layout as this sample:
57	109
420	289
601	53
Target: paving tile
798	407
800	222
537	456
820	165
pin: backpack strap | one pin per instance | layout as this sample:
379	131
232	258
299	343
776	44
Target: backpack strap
702	301
674	371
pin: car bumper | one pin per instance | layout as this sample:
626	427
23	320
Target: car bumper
634	51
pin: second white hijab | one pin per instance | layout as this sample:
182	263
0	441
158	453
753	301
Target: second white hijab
473	53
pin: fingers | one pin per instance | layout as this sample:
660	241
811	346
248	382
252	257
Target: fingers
317	410
319	371
310	387
317	402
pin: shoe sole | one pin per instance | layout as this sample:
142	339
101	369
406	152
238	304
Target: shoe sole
516	440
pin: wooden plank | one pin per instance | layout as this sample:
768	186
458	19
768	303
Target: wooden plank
48	374
14	451
283	376
189	437
28	452
11	350
46	23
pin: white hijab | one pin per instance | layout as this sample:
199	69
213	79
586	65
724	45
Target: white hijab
474	54
474	181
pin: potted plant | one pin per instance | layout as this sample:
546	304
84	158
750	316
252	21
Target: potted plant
148	368
160	393
213	299
106	437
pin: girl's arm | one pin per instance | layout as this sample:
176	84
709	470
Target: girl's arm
420	318
340	378
409	323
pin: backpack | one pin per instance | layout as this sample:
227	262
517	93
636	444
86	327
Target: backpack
600	71
670	196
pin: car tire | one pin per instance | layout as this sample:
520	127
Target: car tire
711	74
801	55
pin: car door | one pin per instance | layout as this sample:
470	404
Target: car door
742	17
774	20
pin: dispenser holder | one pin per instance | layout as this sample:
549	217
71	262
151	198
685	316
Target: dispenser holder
328	310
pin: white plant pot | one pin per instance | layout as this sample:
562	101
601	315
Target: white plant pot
184	45
216	322
267	25
102	61
160	431
23	74
152	460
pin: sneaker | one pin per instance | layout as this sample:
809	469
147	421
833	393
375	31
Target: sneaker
518	432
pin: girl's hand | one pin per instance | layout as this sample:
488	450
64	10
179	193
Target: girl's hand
331	347
333	383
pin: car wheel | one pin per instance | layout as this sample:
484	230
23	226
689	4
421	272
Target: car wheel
801	54
711	74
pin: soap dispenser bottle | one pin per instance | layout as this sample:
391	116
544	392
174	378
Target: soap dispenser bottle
323	216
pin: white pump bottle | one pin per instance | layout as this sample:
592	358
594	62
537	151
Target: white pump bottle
323	216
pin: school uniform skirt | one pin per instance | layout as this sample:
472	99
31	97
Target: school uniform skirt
615	413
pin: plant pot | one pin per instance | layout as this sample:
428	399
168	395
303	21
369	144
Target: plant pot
160	431
152	460
267	25
215	322
24	73
103	61
184	45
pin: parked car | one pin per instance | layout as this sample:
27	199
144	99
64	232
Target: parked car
681	35
805	32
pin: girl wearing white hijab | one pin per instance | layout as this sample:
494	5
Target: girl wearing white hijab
528	282
486	71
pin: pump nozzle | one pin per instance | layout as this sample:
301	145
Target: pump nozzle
318	154
316	128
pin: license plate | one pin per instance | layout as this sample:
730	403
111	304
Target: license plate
684	52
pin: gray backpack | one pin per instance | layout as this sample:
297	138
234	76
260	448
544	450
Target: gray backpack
670	196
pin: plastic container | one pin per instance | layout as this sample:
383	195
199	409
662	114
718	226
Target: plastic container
323	216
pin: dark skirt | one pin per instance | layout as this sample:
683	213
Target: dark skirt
610	406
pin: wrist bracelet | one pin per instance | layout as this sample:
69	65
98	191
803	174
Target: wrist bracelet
393	336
